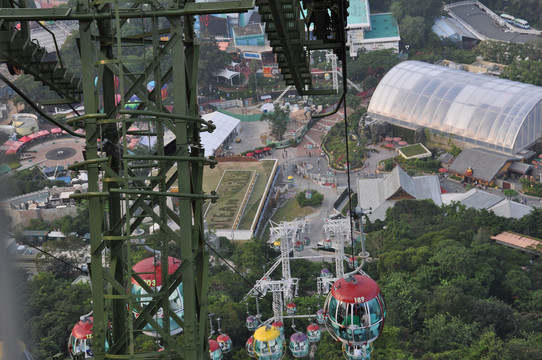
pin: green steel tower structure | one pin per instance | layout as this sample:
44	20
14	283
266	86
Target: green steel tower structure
124	46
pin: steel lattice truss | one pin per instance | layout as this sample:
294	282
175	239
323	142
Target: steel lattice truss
126	188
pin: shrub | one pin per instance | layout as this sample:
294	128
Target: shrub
315	200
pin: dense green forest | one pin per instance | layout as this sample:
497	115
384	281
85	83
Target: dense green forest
451	292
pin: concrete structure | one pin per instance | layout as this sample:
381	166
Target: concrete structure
370	31
382	193
497	114
252	34
25	124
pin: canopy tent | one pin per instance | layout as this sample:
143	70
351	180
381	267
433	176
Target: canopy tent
267	107
14	148
225	127
227	74
43	132
25	139
56	130
7	144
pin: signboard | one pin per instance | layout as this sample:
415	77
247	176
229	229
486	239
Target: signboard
270	71
251	55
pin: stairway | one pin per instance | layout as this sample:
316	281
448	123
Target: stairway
23	55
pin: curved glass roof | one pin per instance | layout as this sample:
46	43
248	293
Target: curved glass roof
499	114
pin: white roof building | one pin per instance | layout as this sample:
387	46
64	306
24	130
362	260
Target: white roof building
478	111
227	127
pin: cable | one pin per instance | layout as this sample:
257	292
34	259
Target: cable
231	267
54	257
342	10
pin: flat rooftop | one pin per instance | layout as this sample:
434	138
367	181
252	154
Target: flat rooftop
358	14
517	241
382	26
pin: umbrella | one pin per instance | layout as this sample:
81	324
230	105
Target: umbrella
249	154
389	145
258	151
388	138
540	156
133	103
290	177
267	148
442	170
402	143
396	139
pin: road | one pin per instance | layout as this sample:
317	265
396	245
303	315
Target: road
482	23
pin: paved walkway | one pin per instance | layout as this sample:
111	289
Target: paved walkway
43	148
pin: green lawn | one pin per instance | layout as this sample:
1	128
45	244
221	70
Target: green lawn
290	211
257	194
413	150
211	179
232	190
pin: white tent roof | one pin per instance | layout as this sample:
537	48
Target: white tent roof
224	126
228	74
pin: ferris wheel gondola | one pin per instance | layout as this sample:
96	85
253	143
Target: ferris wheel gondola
225	343
320	317
291	309
355	310
80	341
357	352
299	345
314	334
249	347
215	352
150	271
268	343
279	325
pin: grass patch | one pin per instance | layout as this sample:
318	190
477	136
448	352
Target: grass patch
263	168
232	191
257	194
290	211
413	150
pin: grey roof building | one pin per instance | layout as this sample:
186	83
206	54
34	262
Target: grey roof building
476	110
510	209
382	193
485	165
480	199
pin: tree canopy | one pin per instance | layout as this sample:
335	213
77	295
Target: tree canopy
211	60
278	121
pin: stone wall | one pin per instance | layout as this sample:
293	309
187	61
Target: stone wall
23	217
